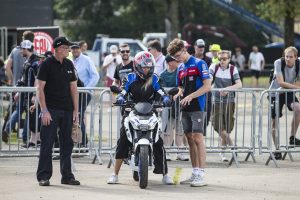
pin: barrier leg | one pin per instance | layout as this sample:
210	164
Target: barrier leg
252	156
272	157
97	157
291	157
73	165
247	157
234	158
111	160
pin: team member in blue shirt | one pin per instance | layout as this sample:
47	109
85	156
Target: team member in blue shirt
193	82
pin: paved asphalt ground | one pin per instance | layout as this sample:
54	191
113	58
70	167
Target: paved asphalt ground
251	181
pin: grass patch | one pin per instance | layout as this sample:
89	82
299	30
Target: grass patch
14	139
263	82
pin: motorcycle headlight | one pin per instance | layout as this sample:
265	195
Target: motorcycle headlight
143	127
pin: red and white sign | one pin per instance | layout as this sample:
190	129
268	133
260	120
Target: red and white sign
42	42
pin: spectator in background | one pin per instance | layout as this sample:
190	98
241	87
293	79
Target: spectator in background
154	47
109	64
200	53
225	76
287	78
15	62
89	76
3	78
239	61
256	63
29	73
83	47
215	49
125	67
171	116
31	66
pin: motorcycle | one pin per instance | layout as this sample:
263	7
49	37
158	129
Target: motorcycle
142	126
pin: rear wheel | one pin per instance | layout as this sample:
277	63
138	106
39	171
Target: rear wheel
143	166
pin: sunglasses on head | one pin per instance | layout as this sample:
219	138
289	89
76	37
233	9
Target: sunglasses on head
125	51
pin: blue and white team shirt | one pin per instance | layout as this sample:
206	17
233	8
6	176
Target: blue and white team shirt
190	76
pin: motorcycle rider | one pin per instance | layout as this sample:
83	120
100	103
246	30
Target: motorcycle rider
142	86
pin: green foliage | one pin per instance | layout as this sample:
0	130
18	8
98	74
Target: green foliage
131	18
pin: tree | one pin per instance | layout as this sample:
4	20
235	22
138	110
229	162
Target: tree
131	18
281	12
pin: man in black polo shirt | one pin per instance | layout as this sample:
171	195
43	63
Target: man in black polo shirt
58	98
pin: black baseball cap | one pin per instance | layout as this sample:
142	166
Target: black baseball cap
75	45
61	41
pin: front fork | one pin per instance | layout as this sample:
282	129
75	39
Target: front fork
135	157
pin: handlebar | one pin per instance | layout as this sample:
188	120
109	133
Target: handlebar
132	104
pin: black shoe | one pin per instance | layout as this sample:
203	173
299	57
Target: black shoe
5	137
30	144
278	156
44	182
56	157
70	182
125	161
294	141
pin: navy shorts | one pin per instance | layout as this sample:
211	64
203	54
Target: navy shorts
287	99
193	122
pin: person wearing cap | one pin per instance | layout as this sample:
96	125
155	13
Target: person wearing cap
29	74
89	76
58	99
170	116
200	53
215	49
193	83
110	63
154	47
256	63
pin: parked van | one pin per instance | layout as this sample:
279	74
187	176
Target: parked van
103	42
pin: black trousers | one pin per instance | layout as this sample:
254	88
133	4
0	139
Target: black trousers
159	153
63	120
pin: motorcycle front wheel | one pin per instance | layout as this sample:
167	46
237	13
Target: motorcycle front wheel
143	166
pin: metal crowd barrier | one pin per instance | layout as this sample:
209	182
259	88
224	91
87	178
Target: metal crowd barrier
103	123
15	148
243	134
282	127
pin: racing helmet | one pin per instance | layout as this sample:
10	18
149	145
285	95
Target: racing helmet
142	60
